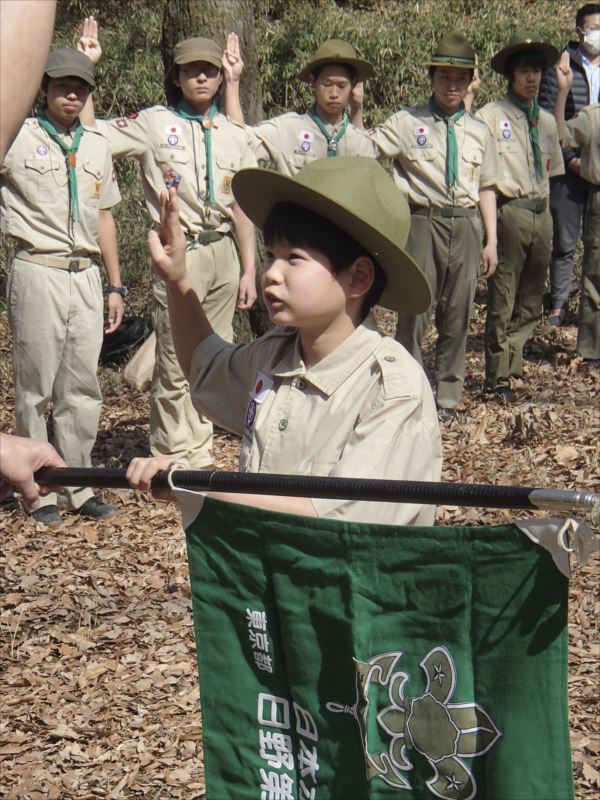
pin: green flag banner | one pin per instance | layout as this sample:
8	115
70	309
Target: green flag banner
344	660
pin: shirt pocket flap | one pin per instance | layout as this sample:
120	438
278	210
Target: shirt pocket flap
227	163
507	147
472	155
42	165
93	169
420	154
172	156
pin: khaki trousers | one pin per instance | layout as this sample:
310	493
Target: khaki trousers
176	428
515	290
588	331
449	252
56	319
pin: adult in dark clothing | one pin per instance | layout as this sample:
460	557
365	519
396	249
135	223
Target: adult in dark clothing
568	192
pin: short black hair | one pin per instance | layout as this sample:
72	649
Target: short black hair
586	11
301	227
47	78
532	58
352	71
432	69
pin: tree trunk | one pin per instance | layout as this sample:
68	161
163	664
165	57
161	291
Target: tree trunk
214	19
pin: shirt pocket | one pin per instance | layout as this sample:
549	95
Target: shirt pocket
507	148
91	188
419	154
472	159
226	167
44	178
297	161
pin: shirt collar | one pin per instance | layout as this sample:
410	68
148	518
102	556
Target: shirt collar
335	368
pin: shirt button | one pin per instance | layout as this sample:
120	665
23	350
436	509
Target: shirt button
282	424
389	358
301	384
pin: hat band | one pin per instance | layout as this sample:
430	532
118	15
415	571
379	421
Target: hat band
467	60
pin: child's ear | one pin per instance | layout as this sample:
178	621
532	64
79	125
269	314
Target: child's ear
362	275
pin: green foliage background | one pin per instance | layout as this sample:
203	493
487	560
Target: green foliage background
394	36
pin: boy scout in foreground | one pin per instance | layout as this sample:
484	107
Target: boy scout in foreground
324	393
583	131
445	162
57	189
526	140
291	141
193	147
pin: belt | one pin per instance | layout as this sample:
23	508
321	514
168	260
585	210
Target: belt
70	263
203	238
537	206
444	211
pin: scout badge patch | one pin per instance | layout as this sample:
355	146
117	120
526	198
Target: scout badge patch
261	388
506	128
226	185
173	133
121	123
41	150
171	178
306	140
422	132
96	190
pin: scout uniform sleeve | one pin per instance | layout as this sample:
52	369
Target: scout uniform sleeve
109	194
578	132
491	168
557	164
128	136
388	136
268	144
397	438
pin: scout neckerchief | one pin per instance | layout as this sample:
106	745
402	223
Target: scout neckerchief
451	143
532	110
71	158
332	139
185	111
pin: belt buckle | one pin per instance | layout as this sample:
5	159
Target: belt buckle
74	265
447	212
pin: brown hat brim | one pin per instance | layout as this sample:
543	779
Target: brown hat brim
258	190
450	61
364	70
498	62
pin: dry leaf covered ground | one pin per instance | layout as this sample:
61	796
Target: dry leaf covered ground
100	695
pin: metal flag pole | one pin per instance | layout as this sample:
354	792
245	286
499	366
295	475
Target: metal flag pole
560	501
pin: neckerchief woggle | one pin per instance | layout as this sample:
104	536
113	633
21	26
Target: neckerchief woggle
185	111
70	158
532	110
332	140
451	143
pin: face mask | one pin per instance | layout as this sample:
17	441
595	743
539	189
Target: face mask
591	41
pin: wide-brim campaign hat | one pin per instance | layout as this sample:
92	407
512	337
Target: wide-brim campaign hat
198	49
453	51
69	63
522	42
337	51
356	194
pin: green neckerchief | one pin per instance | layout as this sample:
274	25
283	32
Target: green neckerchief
451	143
332	141
70	158
185	111
532	110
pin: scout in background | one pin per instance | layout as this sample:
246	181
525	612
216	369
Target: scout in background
526	140
57	188
568	192
583	131
324	393
446	165
291	141
195	149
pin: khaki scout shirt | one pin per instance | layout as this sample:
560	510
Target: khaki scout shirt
171	151
584	131
34	191
416	140
510	131
292	141
366	410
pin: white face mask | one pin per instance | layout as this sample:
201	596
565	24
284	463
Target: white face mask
591	41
